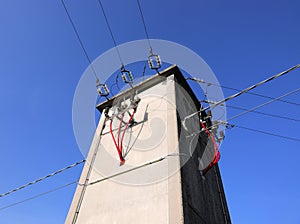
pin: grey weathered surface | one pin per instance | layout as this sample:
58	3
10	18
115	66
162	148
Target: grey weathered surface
203	196
182	198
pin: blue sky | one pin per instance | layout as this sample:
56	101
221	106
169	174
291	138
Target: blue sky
243	42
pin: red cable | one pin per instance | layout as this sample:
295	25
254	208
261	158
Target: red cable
217	154
119	145
119	151
112	135
130	119
119	130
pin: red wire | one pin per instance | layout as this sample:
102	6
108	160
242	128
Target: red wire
119	130
118	149
130	119
119	145
217	154
112	135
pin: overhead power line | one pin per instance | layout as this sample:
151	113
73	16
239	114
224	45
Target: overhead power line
239	90
263	113
79	39
154	60
38	195
263	104
252	109
110	31
145	27
42	178
242	92
265	132
256	112
256	85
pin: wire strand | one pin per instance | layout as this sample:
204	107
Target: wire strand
79	39
135	168
256	112
238	90
110	31
42	178
250	110
266	133
241	92
144	24
254	108
256	85
263	113
38	195
263	104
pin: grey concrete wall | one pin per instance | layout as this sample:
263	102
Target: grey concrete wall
159	193
203	197
145	195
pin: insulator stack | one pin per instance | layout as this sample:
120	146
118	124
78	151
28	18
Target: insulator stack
154	61
127	76
102	89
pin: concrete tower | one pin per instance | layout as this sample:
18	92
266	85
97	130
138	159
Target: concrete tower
144	166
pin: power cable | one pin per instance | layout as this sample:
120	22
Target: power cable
241	92
89	171
154	60
110	31
145	27
144	71
79	39
135	168
255	85
42	178
263	104
250	110
256	107
256	112
265	132
263	113
38	195
116	83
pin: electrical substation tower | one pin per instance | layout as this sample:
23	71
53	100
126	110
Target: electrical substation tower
144	166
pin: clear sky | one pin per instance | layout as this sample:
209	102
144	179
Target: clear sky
243	42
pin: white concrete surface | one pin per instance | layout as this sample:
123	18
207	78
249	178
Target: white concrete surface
151	194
